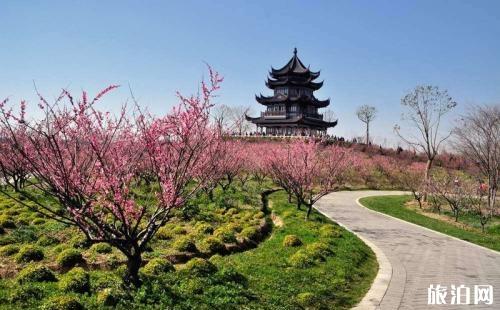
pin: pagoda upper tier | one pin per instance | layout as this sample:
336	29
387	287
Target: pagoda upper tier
294	74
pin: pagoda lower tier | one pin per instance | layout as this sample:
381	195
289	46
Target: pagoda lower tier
299	125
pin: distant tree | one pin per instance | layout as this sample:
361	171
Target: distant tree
232	119
478	140
426	106
366	114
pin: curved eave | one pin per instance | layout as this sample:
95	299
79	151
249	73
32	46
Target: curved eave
272	84
264	100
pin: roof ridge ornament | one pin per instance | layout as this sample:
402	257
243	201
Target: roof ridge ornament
295	51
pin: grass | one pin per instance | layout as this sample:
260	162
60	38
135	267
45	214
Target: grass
395	206
333	271
337	283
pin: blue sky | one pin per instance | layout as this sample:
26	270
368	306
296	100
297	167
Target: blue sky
369	52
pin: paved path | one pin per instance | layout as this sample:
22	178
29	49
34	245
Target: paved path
418	257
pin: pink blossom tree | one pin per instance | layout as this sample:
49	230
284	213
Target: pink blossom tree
90	162
13	168
308	170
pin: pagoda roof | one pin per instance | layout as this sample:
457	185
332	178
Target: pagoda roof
293	67
294	81
298	120
287	99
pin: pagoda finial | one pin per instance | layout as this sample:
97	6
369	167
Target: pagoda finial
295	51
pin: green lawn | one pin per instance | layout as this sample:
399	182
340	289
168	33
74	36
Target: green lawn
395	206
337	283
330	269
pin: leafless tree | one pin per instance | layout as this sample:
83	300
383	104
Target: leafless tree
478	139
366	114
426	106
232	118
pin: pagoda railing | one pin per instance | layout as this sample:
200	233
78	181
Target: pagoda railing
283	114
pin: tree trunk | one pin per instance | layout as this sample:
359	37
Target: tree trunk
367	133
134	262
298	204
309	209
427	177
289	198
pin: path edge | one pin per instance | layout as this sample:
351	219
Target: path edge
423	227
373	298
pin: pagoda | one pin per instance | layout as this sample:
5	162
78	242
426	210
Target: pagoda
292	110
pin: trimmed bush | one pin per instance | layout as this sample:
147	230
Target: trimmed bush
306	300
211	245
192	286
319	250
6	222
69	258
23	293
38	221
200	267
250	233
47	240
165	233
229	274
329	231
9	250
203	228
179	230
109	296
29	253
79	242
184	244
101	248
259	215
225	234
157	267
100	281
62	303
35	273
76	280
291	241
301	259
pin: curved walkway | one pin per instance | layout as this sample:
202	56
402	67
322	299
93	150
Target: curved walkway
415	257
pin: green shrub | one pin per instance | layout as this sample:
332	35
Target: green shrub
157	266
79	241
306	300
200	267
259	215
38	221
229	274
319	250
102	280
211	245
69	258
301	259
24	293
9	250
6	222
216	259
29	253
203	228
329	231
35	273
62	303
165	233
101	248
250	233
179	230
109	296
235	227
231	211
225	234
4	240
191	286
184	244
291	241
76	280
47	240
